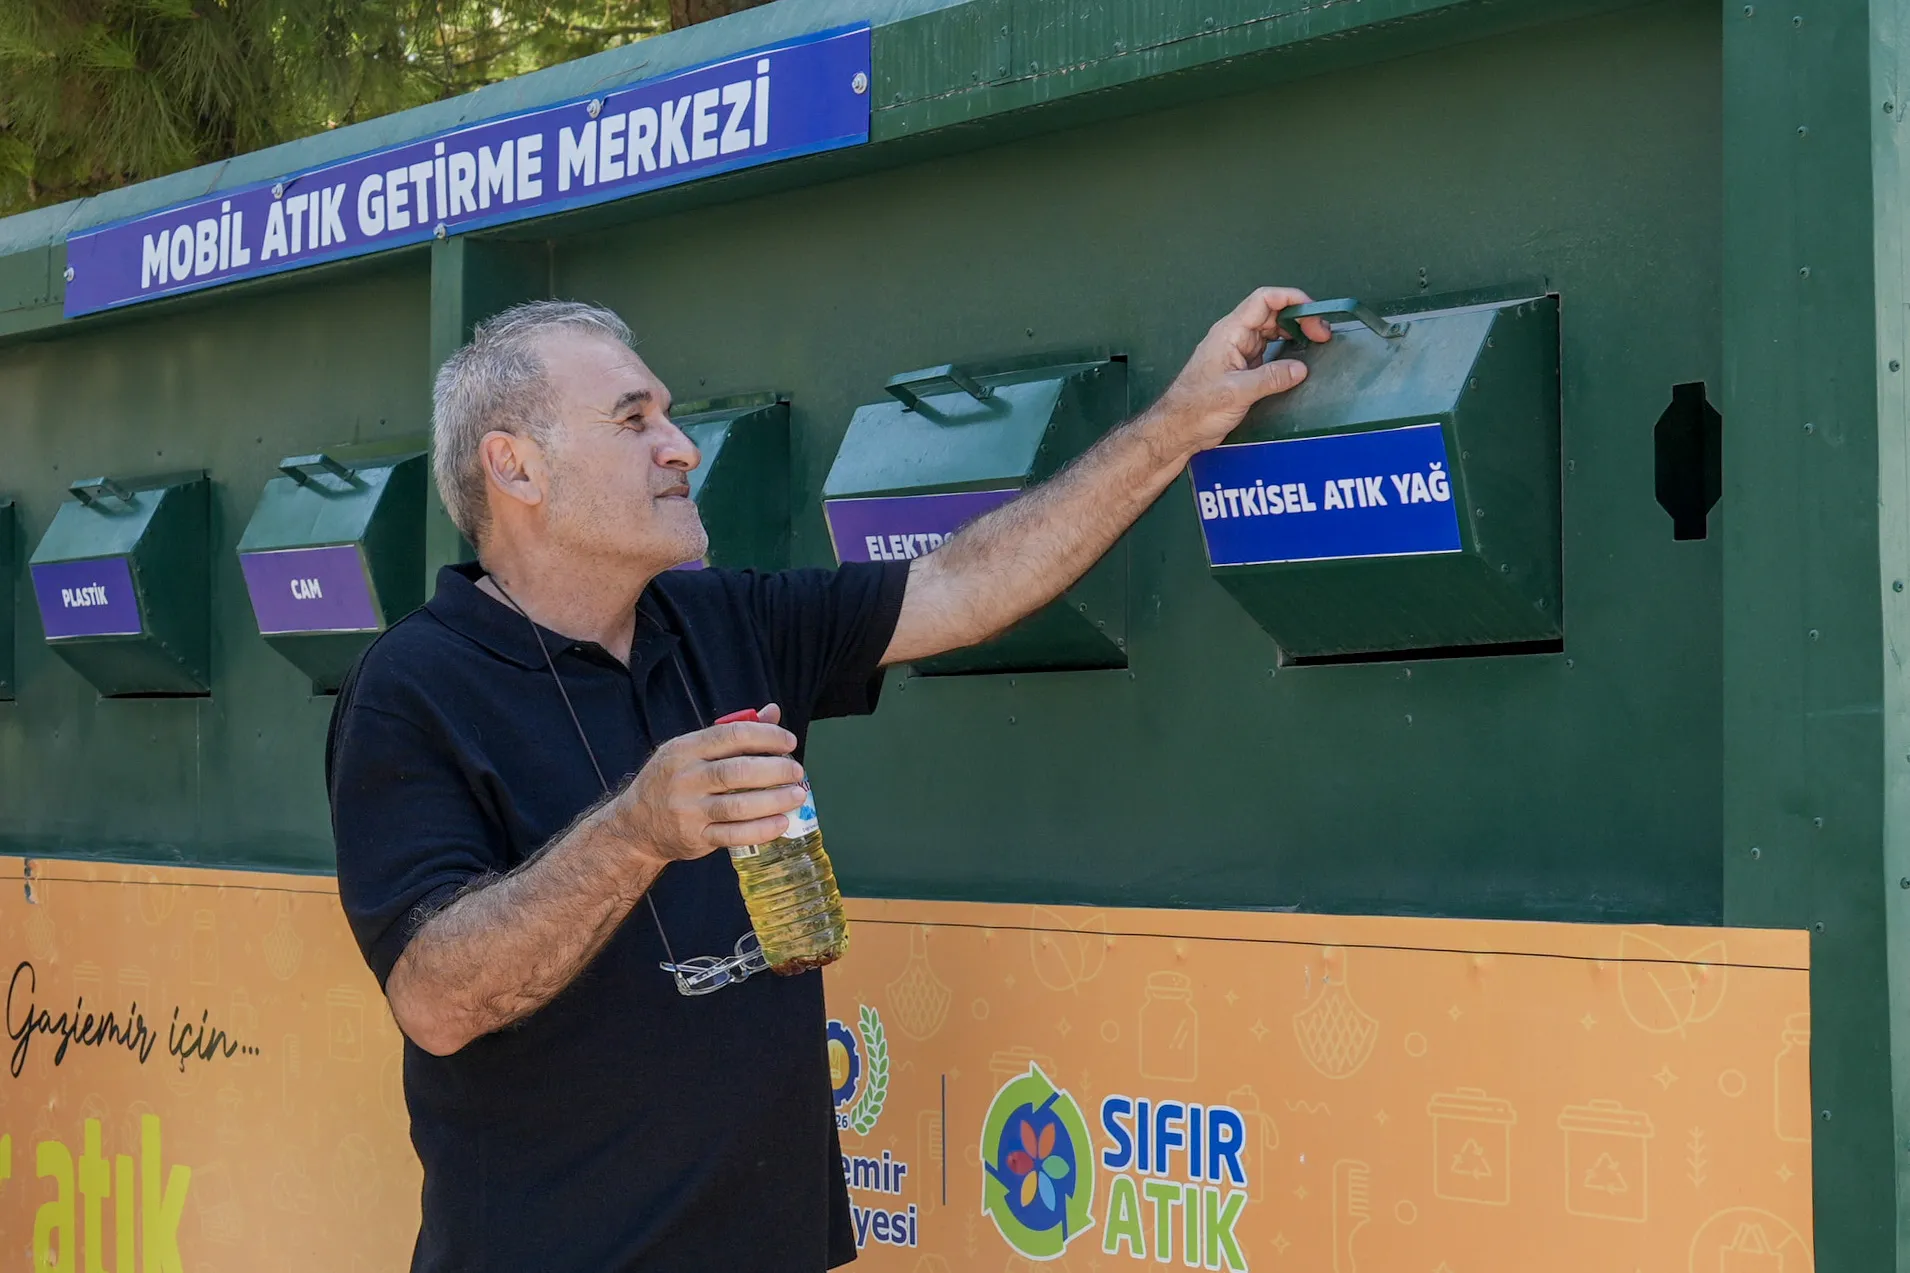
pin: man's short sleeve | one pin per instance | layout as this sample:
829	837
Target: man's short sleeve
409	835
827	630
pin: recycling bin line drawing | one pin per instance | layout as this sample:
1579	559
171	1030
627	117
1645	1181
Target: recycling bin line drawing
1472	1146
1605	1160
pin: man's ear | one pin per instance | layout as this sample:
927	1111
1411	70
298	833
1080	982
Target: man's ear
513	466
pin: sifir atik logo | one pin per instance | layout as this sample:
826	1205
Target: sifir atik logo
1178	1185
1173	1175
1037	1166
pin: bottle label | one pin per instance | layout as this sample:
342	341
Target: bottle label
801	823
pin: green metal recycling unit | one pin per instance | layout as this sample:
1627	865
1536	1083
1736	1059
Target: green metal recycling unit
1622	286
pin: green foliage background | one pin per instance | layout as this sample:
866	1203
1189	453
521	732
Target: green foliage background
101	93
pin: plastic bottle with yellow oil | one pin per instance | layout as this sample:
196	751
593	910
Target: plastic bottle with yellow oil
790	891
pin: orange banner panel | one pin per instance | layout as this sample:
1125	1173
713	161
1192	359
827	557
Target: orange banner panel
1015	1085
243	1107
1094	1089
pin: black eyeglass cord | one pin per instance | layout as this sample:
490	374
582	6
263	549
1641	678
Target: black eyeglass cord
584	738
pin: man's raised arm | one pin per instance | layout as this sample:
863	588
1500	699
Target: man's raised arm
1012	561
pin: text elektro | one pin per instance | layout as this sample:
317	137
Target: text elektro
902	547
1180	1185
1431	486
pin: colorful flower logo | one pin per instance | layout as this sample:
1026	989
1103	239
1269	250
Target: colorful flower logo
1038	1171
1037	1163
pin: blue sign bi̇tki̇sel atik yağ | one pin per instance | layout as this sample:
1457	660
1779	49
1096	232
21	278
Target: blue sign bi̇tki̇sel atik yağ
794	98
1386	493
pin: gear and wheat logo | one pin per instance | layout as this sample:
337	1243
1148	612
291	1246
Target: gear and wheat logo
1037	1166
859	1070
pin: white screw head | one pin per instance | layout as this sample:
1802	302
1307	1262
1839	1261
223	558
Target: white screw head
860	83
438	230
278	190
69	274
596	107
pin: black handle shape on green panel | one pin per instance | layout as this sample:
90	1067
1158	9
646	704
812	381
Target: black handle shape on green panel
1345	307
303	468
91	490
911	387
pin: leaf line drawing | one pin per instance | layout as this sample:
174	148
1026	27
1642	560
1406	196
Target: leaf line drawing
1696	1159
1664	992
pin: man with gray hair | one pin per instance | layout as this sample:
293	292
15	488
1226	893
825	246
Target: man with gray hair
529	795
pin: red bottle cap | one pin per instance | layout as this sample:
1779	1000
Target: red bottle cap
747	714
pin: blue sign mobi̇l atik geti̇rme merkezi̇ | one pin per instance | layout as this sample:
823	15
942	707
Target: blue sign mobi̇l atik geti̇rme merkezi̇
899	527
795	98
1387	493
92	598
309	590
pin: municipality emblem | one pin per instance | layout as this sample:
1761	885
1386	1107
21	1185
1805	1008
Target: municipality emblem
859	1070
1037	1166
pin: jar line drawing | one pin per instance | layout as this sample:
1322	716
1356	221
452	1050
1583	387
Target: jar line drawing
1170	1028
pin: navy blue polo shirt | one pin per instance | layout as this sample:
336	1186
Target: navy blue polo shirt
623	1126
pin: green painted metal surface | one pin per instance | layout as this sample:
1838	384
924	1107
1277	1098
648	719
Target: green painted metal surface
378	510
933	435
9	568
1203	774
742	486
1489	377
1817	553
230	387
1508	772
157	525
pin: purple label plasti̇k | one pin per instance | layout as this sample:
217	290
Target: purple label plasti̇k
310	590
92	598
900	527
